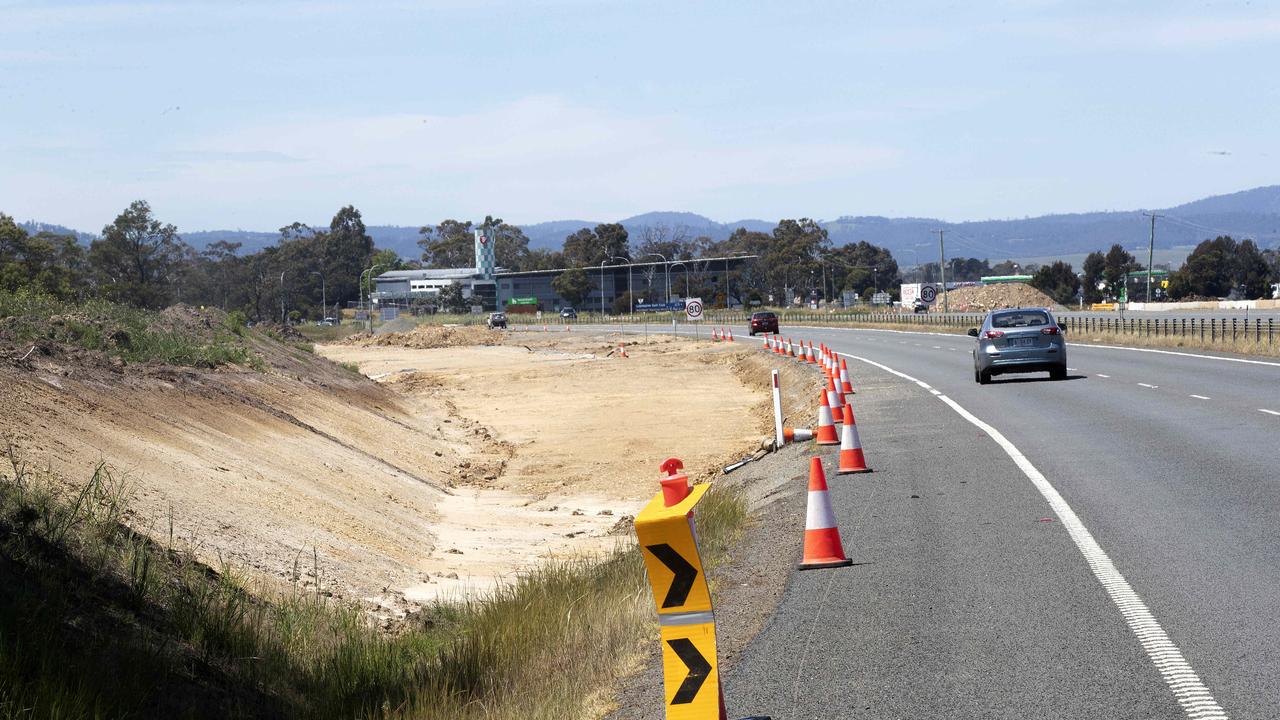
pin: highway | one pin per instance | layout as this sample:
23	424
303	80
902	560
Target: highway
975	595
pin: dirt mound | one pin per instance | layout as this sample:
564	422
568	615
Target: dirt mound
993	297
193	322
429	337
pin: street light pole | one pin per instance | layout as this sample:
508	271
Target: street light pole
631	300
602	262
324	299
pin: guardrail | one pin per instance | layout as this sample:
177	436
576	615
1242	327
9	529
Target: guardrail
1210	330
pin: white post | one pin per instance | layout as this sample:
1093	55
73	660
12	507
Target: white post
777	412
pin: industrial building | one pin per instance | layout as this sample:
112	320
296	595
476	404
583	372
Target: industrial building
490	288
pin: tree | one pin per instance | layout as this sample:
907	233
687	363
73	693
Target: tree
791	260
587	247
1118	264
137	257
451	244
450	298
1094	264
1058	281
861	266
510	245
1218	266
573	285
50	263
386	259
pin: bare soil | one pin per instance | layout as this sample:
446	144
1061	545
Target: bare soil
463	463
992	297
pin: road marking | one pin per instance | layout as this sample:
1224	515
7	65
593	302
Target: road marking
937	347
1269	412
1071	369
1187	688
1146	385
1105	376
1201	397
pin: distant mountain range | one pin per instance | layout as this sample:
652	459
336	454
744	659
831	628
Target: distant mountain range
1251	213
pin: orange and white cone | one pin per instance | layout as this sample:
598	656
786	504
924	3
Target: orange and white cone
826	428
791	348
846	387
622	351
730	332
851	457
810	357
791	435
822	546
715	335
836	400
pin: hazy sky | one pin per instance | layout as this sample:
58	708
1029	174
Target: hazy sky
252	115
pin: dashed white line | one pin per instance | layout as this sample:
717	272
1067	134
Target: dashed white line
1187	688
1105	376
1269	412
1201	397
1148	385
937	347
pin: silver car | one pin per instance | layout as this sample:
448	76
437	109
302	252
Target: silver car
1017	341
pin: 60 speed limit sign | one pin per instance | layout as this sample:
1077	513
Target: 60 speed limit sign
693	308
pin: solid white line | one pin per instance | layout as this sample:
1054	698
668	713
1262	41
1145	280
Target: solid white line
1186	686
1201	397
1145	385
1269	412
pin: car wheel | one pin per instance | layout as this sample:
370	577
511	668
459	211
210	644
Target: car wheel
976	377
984	377
1058	373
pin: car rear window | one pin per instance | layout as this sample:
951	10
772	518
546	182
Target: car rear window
762	316
1025	318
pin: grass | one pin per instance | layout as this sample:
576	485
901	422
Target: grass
98	621
131	334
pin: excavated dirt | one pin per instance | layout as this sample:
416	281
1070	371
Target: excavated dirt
467	460
565	426
427	337
992	297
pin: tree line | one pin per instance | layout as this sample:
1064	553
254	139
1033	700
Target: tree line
310	272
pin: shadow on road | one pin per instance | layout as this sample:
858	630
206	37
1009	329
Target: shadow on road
1014	380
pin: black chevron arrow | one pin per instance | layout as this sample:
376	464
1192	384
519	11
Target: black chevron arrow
684	573
699	670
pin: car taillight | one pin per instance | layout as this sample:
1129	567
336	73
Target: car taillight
1051	330
993	334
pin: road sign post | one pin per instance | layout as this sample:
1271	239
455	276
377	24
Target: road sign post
693	311
669	545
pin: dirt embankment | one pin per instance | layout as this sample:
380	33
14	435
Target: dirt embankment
468	461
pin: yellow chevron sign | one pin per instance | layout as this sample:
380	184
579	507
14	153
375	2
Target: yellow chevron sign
690	678
671	555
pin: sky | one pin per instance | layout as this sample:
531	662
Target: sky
251	115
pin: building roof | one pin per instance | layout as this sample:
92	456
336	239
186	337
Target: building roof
435	274
616	266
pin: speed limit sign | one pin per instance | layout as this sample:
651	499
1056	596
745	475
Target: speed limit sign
693	308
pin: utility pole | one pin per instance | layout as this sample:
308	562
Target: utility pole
942	272
283	319
1151	249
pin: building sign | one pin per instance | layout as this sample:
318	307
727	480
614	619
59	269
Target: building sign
523	301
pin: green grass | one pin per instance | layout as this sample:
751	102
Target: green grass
125	332
97	621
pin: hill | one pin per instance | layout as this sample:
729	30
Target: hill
1250	213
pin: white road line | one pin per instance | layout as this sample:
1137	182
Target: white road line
1146	385
1269	412
937	347
1186	686
1105	376
1201	397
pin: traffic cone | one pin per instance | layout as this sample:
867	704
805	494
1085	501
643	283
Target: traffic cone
836	400
791	435
846	387
822	546
851	457
715	335
809	357
567	328
730	331
826	429
622	350
789	349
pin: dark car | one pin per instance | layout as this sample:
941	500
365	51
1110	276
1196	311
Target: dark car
920	306
764	322
569	313
1018	341
497	320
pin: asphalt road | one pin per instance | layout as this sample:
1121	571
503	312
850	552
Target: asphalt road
971	598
